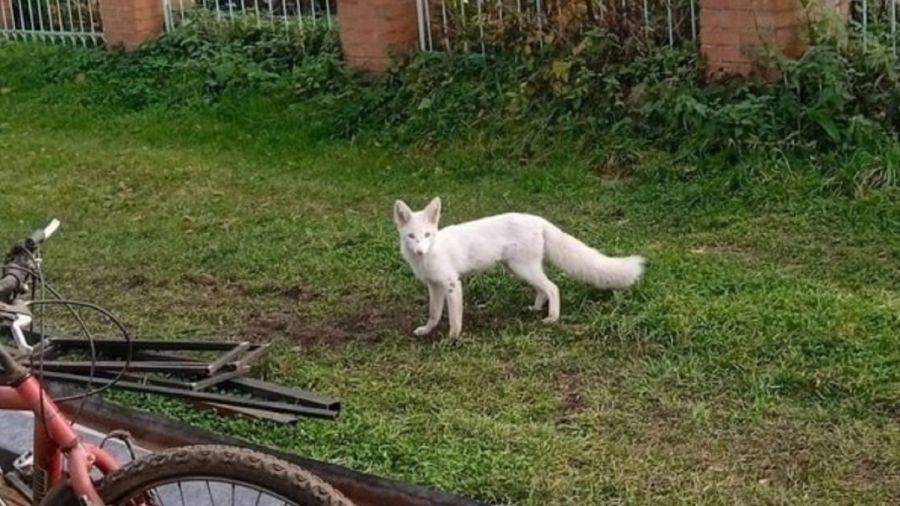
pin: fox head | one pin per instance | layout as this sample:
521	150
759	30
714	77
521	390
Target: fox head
417	229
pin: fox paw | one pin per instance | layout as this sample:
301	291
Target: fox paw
423	330
551	319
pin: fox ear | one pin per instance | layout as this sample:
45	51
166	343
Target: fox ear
402	213
433	210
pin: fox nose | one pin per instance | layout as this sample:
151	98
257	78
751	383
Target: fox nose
420	251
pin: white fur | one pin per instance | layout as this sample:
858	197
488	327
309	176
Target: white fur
522	242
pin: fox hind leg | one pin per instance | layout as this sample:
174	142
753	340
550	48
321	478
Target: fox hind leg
532	272
540	300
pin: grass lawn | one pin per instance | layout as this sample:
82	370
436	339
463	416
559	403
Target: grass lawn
758	362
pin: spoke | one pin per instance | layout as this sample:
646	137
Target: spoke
209	489
181	492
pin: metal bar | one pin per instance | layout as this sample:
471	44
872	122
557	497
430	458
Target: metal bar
693	22
59	16
427	9
480	24
145	379
894	26
251	412
202	384
252	386
646	15
420	17
80	16
462	21
279	407
220	362
669	20
444	17
133	366
865	24
91	18
275	392
53	35
255	352
218	379
30	16
140	344
167	15
41	17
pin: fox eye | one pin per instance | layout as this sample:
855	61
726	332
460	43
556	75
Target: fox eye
411	236
427	235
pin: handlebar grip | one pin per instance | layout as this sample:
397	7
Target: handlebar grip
51	228
43	234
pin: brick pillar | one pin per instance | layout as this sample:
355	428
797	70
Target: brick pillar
843	8
375	31
129	23
7	21
735	33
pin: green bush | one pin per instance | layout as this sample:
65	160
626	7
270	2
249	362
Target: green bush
202	60
838	100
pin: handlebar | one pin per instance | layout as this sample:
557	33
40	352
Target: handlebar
20	261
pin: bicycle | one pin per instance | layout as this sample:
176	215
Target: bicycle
64	466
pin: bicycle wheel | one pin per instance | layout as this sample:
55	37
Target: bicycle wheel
210	475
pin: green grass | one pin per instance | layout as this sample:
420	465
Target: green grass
757	363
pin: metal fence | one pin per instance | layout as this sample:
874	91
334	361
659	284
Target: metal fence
73	21
875	22
483	24
288	13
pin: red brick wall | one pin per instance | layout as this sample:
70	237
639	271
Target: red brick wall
129	23
734	33
374	31
6	15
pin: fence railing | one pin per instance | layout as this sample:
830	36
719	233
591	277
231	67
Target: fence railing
281	12
876	21
73	21
479	25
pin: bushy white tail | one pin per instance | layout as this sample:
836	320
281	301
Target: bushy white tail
586	264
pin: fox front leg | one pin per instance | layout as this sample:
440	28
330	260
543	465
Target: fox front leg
437	294
455	306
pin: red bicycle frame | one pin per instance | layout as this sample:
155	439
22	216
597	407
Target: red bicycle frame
55	442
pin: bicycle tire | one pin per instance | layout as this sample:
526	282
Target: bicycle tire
241	465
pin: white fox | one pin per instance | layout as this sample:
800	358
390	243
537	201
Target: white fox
520	241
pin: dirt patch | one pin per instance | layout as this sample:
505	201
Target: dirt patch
369	321
869	474
213	285
571	398
269	312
